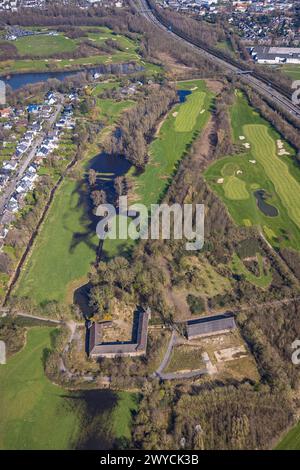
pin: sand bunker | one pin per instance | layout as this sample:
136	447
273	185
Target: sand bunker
242	137
246	145
175	114
195	88
220	180
283	152
252	161
203	111
239	172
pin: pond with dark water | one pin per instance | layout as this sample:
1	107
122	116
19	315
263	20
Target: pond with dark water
266	208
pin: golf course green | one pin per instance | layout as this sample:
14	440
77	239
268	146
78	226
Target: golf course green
265	162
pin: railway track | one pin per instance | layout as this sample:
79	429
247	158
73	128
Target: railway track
250	77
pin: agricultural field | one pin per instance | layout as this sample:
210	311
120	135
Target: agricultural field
45	48
36	414
260	184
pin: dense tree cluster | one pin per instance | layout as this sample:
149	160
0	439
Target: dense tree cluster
137	125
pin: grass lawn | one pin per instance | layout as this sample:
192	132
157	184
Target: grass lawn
122	414
236	178
293	71
33	412
66	245
263	280
36	414
291	440
44	45
63	252
165	152
185	358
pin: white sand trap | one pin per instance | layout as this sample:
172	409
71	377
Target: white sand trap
195	88
203	111
126	48
246	145
252	161
175	114
279	143
283	152
242	137
239	172
220	180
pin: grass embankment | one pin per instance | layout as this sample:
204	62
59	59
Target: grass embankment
176	134
66	246
36	414
266	162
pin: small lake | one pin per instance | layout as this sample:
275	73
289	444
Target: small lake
182	94
16	81
266	208
21	79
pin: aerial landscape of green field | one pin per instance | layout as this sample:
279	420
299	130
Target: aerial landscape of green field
265	163
129	132
36	414
43	47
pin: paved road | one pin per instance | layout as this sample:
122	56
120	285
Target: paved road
175	375
27	159
265	89
5	311
167	355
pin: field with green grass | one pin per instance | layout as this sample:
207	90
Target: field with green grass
63	252
263	280
293	71
36	414
185	357
167	150
291	441
43	47
66	245
266	161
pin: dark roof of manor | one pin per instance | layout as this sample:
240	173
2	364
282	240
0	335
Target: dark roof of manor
96	347
210	325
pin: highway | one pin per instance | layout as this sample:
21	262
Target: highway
265	89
